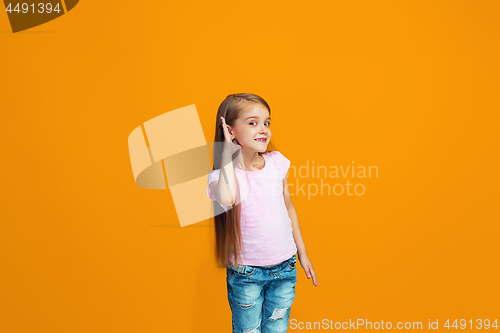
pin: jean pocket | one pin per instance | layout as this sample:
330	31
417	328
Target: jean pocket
291	262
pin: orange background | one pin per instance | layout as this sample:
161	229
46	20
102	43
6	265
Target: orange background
409	87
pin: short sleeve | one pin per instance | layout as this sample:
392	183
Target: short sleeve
282	163
213	175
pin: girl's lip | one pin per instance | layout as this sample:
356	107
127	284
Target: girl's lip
258	140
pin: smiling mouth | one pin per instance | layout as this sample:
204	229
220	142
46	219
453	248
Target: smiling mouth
261	140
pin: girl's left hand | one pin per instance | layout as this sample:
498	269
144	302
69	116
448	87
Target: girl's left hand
308	269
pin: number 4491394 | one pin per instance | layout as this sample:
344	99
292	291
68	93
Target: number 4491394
40	8
480	323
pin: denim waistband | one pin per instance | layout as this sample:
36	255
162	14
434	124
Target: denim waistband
273	266
270	266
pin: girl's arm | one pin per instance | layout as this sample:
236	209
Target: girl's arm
305	262
224	189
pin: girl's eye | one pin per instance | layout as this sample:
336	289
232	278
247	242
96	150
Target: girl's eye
268	123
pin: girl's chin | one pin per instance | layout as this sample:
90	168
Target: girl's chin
257	149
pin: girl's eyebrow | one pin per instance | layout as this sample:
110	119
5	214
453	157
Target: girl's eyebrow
258	117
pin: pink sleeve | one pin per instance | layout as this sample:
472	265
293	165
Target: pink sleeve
282	162
213	175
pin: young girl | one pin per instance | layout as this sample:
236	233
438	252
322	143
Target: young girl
257	229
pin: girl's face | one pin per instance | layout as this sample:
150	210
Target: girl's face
252	130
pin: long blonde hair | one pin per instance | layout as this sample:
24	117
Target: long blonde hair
227	225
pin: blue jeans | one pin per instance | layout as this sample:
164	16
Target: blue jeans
260	297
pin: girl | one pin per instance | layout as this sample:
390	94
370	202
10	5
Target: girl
257	230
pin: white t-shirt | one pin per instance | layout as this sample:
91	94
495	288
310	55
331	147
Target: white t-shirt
266	228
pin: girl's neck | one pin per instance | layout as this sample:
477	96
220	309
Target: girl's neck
252	161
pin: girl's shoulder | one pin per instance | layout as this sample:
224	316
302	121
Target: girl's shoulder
279	160
213	175
214	172
275	154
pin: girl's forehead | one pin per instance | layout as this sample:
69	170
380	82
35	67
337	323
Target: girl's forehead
255	110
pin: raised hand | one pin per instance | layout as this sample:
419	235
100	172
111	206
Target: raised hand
228	138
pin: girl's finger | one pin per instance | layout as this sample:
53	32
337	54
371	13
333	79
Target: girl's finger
224	128
315	279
